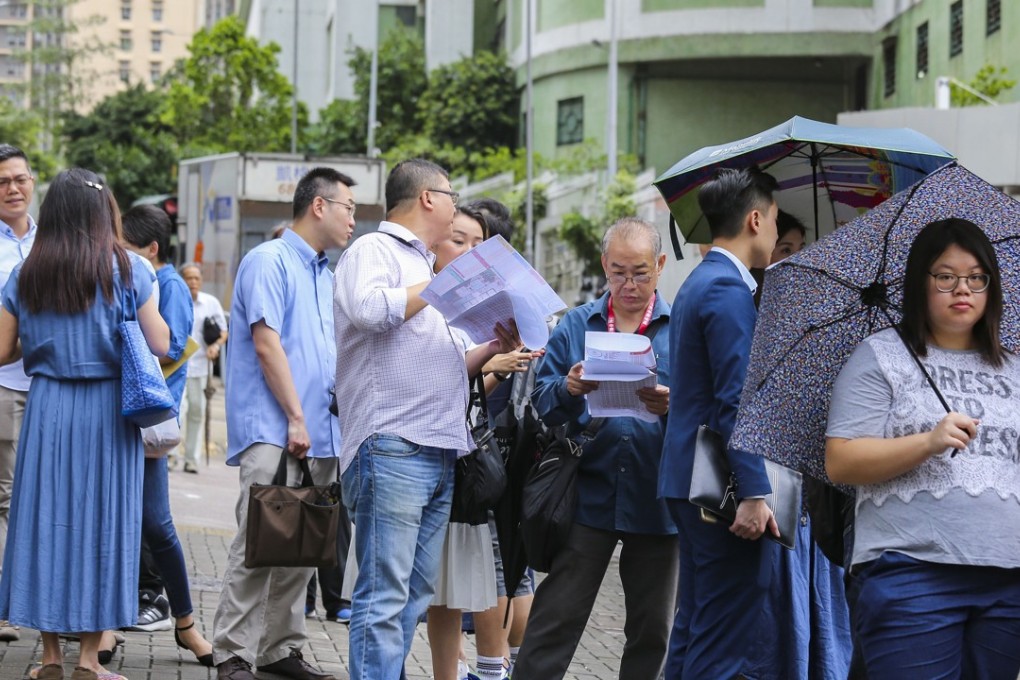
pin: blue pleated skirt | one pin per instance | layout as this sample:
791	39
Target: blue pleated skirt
71	561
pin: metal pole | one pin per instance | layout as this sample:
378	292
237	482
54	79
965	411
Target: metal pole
611	104
529	142
373	86
293	100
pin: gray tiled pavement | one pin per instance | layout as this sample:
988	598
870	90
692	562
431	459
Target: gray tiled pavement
203	507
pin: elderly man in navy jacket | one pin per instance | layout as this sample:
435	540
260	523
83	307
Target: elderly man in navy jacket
616	476
724	570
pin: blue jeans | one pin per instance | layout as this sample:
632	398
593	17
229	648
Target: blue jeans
159	532
398	494
917	619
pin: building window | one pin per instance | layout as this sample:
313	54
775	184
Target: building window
407	15
125	71
155	71
125	41
125	10
922	50
570	121
157	10
956	28
157	41
889	66
993	16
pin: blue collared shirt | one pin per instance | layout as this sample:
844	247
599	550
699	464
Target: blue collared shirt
176	308
286	284
13	251
619	470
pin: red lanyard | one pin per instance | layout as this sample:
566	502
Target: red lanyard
645	321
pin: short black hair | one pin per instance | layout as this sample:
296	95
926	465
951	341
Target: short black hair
785	223
496	215
409	178
8	151
928	246
144	224
320	181
727	198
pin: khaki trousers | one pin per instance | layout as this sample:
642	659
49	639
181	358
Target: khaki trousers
12	411
261	613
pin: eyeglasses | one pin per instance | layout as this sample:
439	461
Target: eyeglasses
21	181
947	283
452	194
350	206
638	279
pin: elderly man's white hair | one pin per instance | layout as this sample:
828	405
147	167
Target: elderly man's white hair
628	227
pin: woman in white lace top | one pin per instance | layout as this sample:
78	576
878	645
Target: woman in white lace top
937	545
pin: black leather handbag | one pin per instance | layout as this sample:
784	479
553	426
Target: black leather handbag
480	477
714	488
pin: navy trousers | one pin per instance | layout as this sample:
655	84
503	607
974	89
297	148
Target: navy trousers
917	619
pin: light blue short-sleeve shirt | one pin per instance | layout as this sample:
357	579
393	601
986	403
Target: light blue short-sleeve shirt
287	285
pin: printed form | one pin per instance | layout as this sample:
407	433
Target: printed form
622	363
493	284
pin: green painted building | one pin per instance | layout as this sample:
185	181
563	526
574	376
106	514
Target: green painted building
699	72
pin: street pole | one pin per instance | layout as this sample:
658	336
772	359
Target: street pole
373	86
293	100
612	107
529	143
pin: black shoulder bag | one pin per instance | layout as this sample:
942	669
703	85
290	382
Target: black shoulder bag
480	477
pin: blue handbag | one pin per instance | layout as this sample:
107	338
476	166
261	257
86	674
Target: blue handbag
145	399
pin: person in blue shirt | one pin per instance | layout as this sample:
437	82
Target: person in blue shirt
616	480
147	231
724	570
280	374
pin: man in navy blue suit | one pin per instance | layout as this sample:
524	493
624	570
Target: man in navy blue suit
724	571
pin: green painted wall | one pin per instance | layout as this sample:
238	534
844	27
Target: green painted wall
590	84
667	5
556	13
999	49
843	3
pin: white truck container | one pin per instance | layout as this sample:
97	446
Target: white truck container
230	203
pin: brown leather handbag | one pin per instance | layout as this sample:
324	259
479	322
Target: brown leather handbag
292	526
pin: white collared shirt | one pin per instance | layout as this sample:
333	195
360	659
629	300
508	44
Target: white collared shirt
744	272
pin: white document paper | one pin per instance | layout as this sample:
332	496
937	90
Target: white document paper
493	284
622	363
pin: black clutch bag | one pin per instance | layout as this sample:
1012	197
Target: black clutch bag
714	489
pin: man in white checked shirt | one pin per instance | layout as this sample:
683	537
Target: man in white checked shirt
402	393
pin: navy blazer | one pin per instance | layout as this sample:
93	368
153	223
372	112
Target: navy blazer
710	333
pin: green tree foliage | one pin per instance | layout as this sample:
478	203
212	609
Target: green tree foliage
23	129
583	234
471	103
230	95
990	81
341	130
123	139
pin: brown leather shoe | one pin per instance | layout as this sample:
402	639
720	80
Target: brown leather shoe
51	671
234	668
295	666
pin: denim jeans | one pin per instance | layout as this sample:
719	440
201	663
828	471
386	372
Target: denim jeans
919	619
398	495
159	532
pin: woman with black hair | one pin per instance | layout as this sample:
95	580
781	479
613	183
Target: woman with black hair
937	545
71	563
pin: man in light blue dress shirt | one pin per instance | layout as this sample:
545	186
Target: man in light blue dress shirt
279	381
17	233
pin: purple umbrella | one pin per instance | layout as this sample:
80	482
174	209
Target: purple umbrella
819	304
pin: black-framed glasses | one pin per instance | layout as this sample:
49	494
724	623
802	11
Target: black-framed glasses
638	279
351	208
947	283
21	181
454	196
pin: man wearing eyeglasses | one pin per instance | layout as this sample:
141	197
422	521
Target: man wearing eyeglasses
617	475
280	371
17	233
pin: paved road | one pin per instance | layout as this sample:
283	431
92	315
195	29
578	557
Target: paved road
203	508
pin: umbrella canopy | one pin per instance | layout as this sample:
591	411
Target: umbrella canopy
819	304
828	174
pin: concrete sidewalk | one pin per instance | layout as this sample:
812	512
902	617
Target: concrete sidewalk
203	508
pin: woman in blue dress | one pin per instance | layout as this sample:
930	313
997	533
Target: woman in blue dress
71	563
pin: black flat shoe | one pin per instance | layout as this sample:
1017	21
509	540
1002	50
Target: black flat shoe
205	660
106	655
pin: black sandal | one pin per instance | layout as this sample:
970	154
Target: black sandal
205	660
106	655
